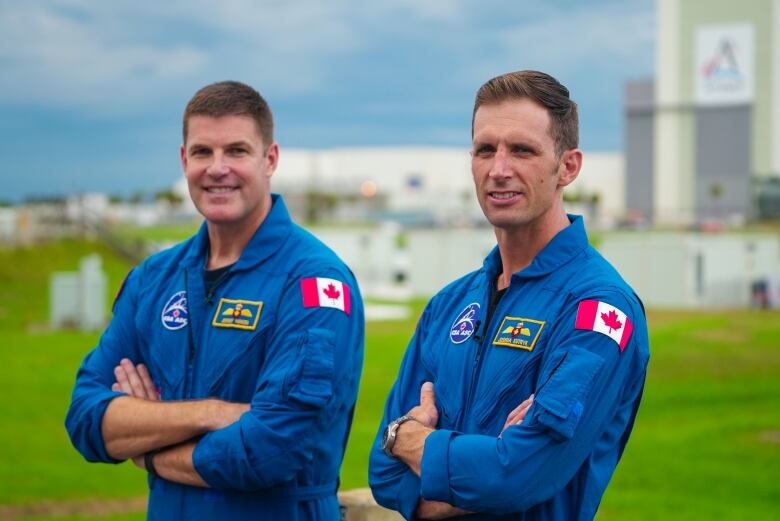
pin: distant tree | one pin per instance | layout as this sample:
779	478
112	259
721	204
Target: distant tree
319	203
44	199
136	198
168	195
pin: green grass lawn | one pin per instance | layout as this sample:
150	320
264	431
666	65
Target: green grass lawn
706	444
157	233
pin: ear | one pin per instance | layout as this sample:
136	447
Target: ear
569	166
183	155
271	158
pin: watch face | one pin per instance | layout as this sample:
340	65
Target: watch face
384	436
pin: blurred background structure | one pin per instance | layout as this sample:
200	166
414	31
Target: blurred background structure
700	152
703	136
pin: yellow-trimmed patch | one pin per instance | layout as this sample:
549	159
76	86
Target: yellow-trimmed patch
518	332
238	314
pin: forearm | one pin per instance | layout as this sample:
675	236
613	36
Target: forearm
175	464
437	510
410	442
133	426
409	449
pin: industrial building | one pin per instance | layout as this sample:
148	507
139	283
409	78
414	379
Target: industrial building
703	137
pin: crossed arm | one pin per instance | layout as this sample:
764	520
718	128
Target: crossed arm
139	423
410	442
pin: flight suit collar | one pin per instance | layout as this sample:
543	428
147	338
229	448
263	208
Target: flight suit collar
268	238
566	244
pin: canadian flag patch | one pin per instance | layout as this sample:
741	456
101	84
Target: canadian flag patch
325	293
594	315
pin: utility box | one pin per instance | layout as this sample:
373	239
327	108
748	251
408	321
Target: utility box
78	299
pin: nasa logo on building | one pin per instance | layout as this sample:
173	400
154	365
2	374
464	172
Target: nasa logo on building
724	64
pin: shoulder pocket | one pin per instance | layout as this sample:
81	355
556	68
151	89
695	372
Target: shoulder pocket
312	384
562	398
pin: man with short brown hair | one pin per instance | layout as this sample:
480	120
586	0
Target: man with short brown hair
230	369
519	389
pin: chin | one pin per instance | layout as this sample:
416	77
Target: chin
509	221
219	216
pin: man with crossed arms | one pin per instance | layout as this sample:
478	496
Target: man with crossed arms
546	323
230	369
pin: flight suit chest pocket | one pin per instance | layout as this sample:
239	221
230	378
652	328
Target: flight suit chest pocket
310	382
562	398
508	380
232	362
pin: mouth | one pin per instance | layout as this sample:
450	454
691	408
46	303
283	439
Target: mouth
219	189
505	197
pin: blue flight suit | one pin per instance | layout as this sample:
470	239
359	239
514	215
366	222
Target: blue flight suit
557	463
299	367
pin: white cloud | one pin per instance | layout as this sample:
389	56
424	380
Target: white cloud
57	60
74	52
90	55
612	35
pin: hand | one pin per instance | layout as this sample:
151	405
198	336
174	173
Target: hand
426	413
139	462
517	415
134	380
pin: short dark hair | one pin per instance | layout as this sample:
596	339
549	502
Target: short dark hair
543	89
231	98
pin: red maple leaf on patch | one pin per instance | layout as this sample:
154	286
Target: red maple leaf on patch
331	292
611	320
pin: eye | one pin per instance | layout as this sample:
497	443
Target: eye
522	150
199	152
484	150
237	151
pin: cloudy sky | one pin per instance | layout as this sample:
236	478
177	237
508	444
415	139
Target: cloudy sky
91	91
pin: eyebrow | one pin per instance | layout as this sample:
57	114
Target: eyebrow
240	143
520	142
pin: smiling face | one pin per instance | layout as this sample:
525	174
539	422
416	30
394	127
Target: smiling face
518	176
228	170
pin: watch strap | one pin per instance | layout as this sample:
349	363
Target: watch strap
392	432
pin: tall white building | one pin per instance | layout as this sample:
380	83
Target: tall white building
703	139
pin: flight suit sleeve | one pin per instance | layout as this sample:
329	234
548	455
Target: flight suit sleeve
92	392
308	383
589	392
392	482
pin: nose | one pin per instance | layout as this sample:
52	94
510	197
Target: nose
217	166
500	168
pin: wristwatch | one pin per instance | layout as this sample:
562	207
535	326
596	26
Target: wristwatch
388	438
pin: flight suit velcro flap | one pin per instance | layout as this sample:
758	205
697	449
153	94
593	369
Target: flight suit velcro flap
315	382
562	399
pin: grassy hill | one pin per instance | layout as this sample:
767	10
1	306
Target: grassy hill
706	444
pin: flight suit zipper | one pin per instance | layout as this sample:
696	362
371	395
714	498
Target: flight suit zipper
481	348
192	351
476	368
191	341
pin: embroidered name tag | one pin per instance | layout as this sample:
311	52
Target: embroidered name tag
238	314
518	332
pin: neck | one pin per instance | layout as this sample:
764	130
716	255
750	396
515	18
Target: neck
228	240
519	246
